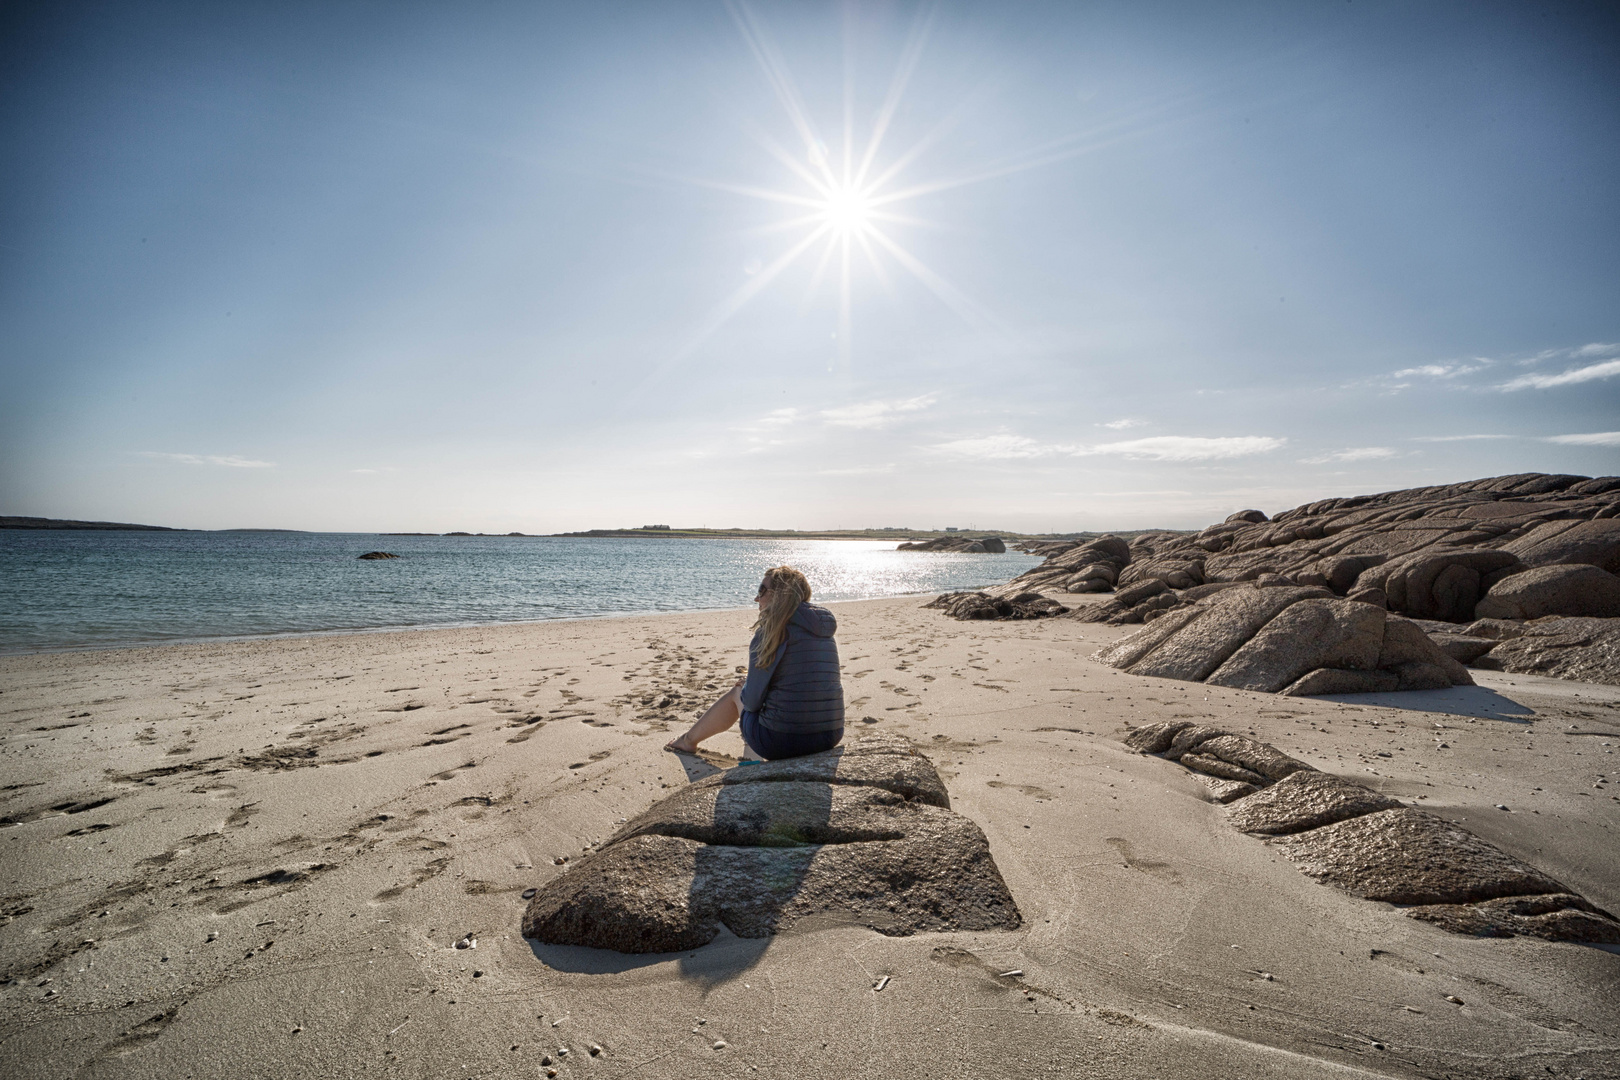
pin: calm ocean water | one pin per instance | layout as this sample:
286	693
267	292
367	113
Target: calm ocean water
73	589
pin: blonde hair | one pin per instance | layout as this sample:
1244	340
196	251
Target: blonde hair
785	590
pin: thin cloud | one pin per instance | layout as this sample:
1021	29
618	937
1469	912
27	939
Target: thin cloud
1000	448
1599	348
1186	448
1604	370
1594	438
1458	438
1442	371
1122	424
876	414
1006	447
1354	453
229	461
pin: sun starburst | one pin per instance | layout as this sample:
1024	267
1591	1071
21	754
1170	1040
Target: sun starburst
846	201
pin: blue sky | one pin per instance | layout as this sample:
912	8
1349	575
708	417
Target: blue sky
497	266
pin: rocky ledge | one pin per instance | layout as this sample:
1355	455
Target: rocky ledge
861	835
1293	641
1373	846
1531	550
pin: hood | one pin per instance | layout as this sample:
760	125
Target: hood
817	620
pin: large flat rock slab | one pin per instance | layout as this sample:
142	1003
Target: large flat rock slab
1306	800
881	761
861	835
1406	856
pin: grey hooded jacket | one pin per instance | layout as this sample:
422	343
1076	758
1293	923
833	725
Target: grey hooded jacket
800	693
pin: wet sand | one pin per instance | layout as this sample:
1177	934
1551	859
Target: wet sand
255	858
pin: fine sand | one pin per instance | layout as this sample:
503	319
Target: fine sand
255	858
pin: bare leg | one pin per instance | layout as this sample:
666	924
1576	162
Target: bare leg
719	716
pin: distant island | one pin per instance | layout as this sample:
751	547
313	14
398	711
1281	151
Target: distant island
59	523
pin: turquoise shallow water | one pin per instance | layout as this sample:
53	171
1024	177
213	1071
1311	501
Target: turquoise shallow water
88	589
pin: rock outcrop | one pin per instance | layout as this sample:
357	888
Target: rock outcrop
1587	650
1295	641
1561	589
1368	844
980	605
993	545
862	834
1429	553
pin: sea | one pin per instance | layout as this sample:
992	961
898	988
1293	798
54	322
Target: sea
70	589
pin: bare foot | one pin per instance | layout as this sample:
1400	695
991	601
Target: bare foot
682	745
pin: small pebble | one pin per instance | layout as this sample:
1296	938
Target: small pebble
213	936
1454	1000
545	1059
595	1049
297	1029
551	1072
719	1044
562	1051
1378	1046
1503	806
528	894
478	974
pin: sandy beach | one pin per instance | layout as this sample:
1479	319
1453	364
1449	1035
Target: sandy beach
255	858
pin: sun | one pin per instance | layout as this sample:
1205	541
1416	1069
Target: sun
847	210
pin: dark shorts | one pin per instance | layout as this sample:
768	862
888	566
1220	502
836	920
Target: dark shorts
774	745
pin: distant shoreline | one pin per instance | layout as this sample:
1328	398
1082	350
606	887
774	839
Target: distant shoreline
658	533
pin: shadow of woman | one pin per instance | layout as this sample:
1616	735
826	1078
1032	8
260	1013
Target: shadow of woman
758	846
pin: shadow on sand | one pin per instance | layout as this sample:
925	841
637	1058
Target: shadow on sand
1477	701
721	960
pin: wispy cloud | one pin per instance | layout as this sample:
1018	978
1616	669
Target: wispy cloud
1187	447
1450	370
1594	438
227	460
1122	424
1000	448
1354	453
1005	447
1604	370
876	414
1457	438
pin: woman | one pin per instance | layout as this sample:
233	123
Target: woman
791	703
